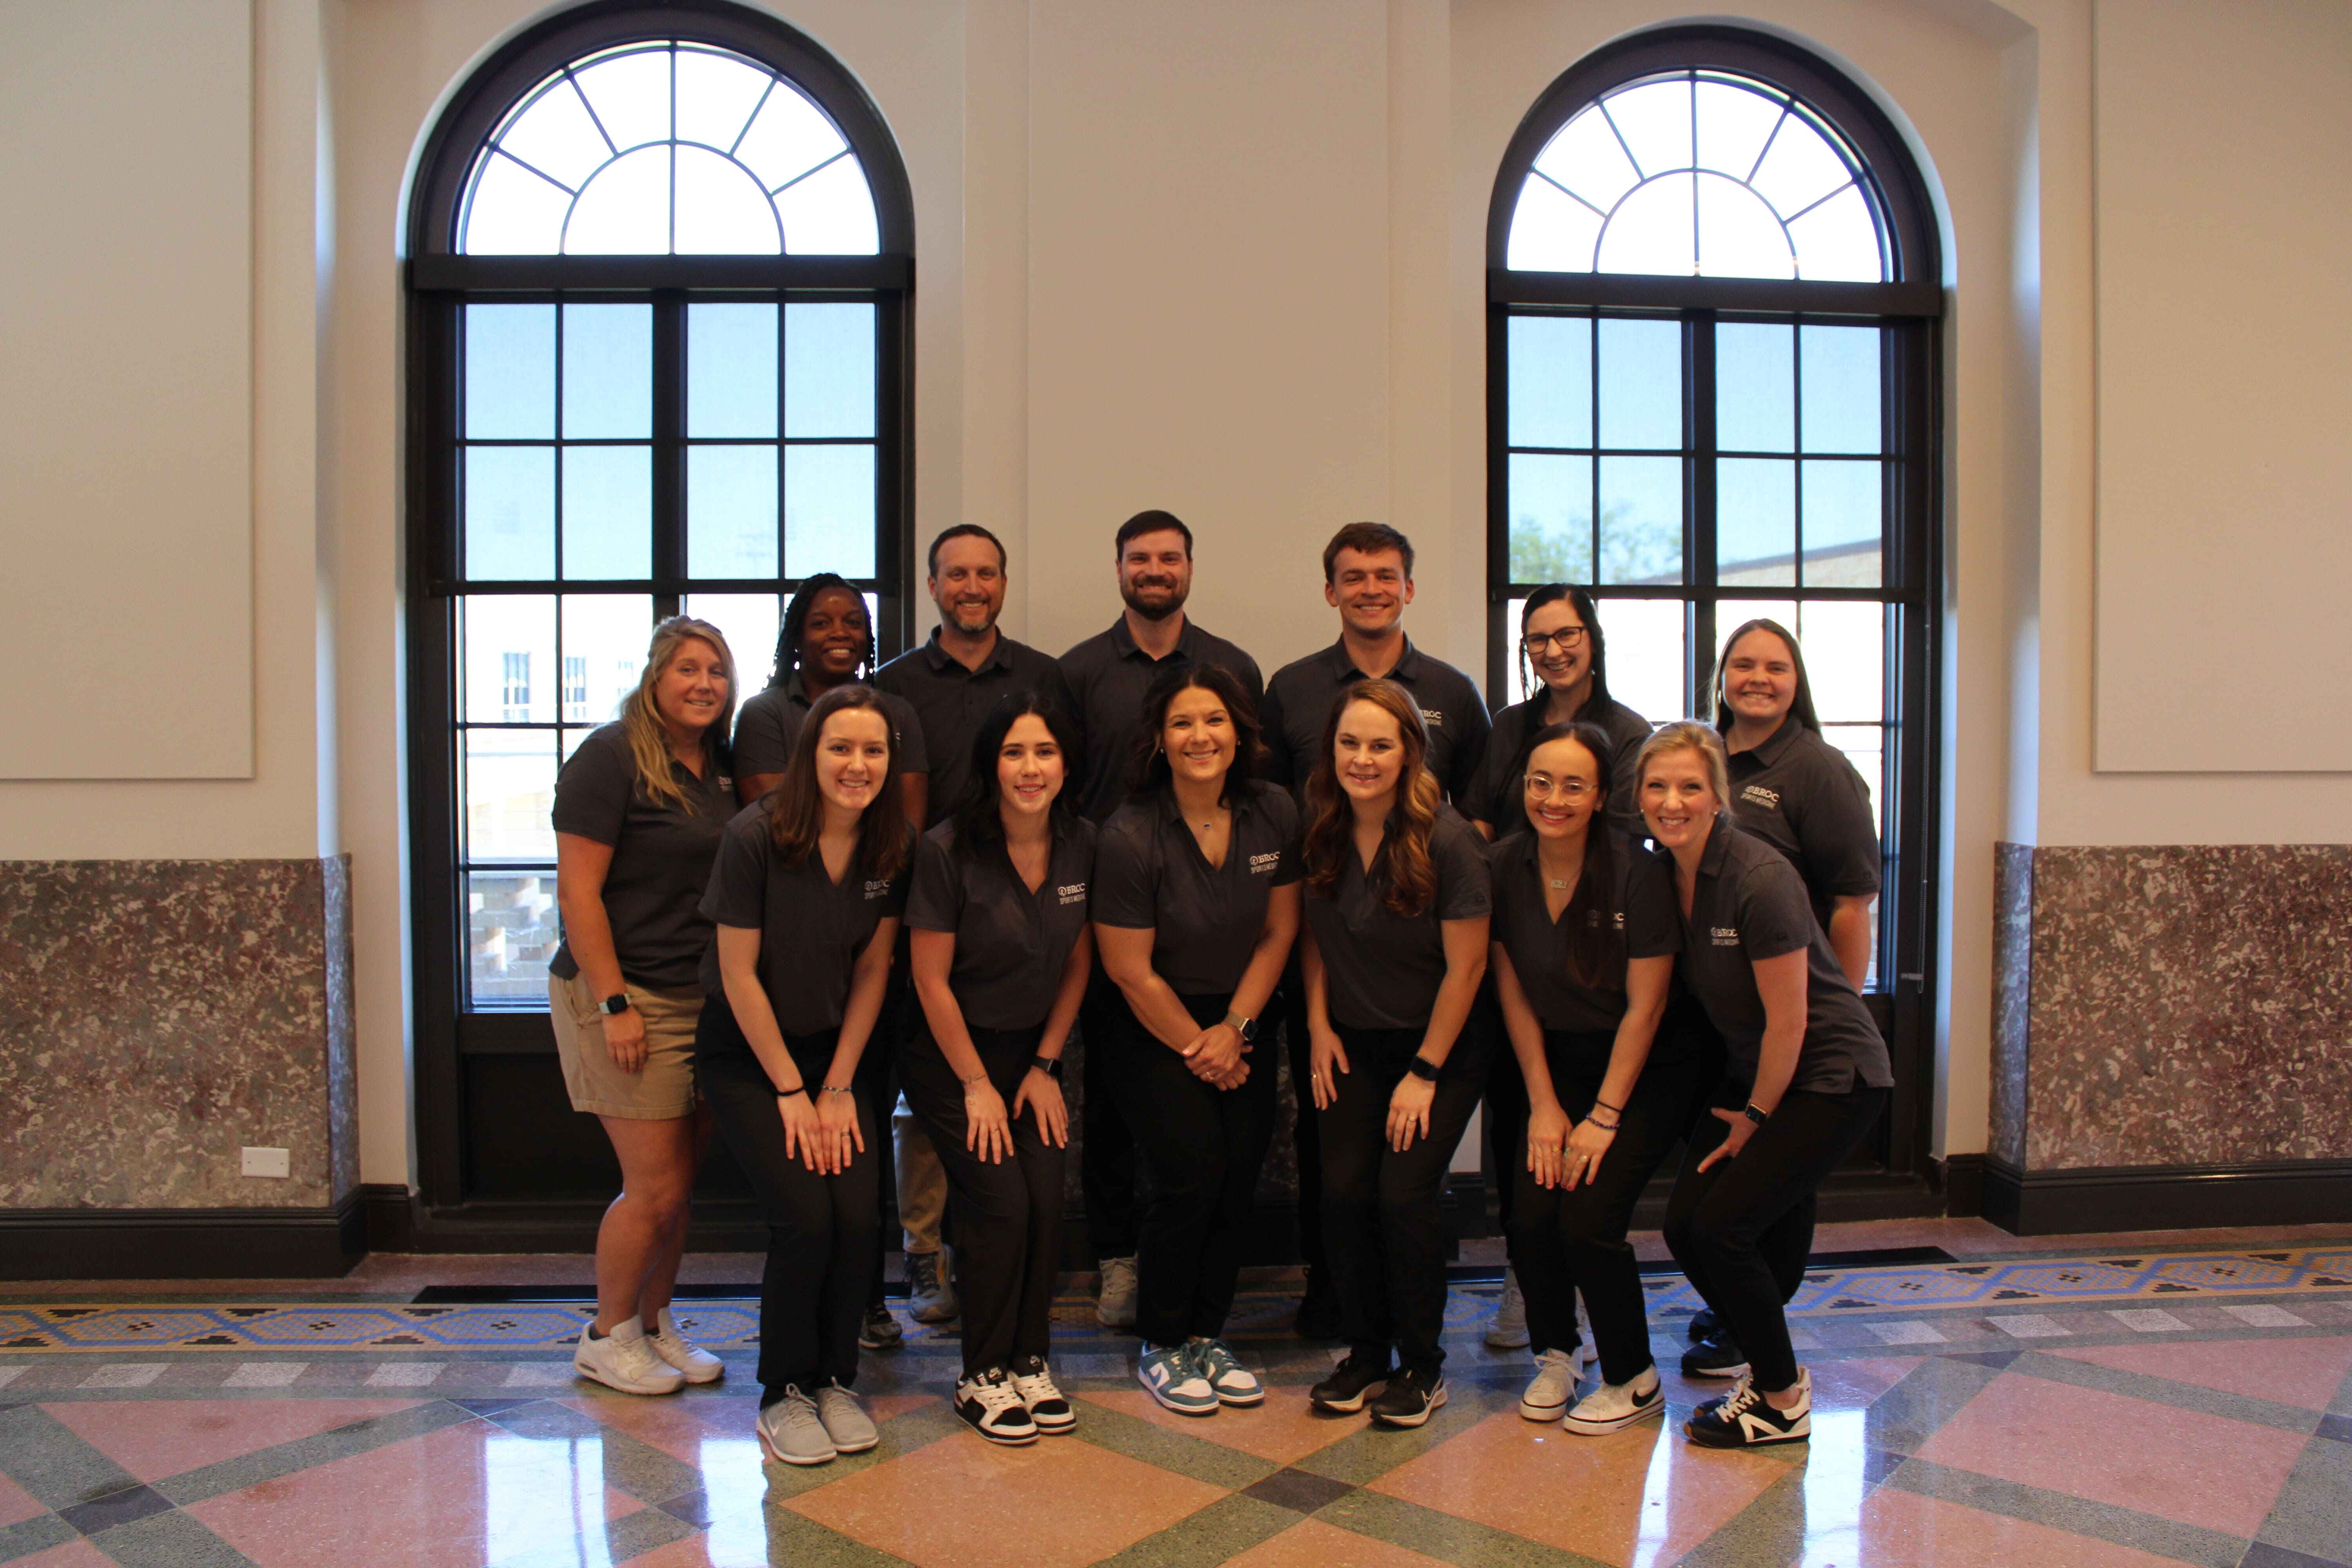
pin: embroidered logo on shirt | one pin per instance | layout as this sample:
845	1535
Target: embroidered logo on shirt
1434	716
1757	794
1072	892
1725	936
1260	864
877	889
726	784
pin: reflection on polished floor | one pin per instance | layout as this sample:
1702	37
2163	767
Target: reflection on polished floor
2106	1401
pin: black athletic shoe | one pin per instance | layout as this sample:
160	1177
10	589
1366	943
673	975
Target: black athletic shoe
1715	1358
1703	1325
1350	1384
1744	1418
1409	1397
1319	1310
991	1406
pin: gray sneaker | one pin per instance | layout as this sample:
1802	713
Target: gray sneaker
846	1421
1115	1302
1508	1330
931	1295
790	1433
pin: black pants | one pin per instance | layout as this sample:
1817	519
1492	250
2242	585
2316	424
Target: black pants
1307	1133
1563	1241
823	1231
1106	1147
877	1085
1008	1214
1743	1227
1505	1125
1383	1226
1207	1147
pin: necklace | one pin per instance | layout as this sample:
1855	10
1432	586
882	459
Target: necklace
1556	882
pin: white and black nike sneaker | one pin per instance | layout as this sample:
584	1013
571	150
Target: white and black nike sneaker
1744	1418
989	1404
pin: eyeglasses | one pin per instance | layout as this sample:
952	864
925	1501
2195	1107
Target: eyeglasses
1543	786
1569	637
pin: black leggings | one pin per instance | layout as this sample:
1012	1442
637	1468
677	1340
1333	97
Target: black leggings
823	1231
1383	1223
1206	1147
1563	1241
1743	1227
1008	1214
1106	1147
1306	1132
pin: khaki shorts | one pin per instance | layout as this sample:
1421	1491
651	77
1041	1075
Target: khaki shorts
662	1090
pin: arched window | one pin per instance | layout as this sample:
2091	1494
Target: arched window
661	258
1713	292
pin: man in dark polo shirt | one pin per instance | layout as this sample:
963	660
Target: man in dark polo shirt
1368	578
951	681
1108	675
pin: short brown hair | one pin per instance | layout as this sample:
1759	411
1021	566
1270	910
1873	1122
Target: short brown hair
1366	539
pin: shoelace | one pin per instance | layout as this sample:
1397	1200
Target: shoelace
1038	1384
995	1393
796	1408
1743	1398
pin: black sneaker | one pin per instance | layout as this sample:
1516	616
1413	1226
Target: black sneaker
1319	1310
1350	1384
1409	1397
1717	1357
880	1331
1744	1418
1049	1412
1703	1325
991	1406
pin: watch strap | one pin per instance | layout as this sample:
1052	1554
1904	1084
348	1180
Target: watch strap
1050	1065
1421	1068
1245	1028
616	1003
1758	1117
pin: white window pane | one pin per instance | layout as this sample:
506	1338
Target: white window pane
1838	240
511	930
1550	231
749	622
830	212
1650	231
721	210
1640	383
730	370
829	510
608	499
715	95
608	371
1587	159
509	788
1655	121
513	212
510	513
1756	522
1864	746
510	372
730	512
511	673
1733	122
607	634
1642	519
787	137
1738	235
1842	401
1844	507
630	94
1644	638
624	211
1551	362
1551	518
1799	168
1755	387
829	370
1845	660
556	136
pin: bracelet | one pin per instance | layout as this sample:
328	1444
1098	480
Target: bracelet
844	1088
1611	1109
1604	1126
788	1093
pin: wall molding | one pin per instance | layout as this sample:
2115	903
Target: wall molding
1962	1179
183	1244
2166	1197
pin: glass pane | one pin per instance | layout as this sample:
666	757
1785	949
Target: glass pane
830	212
1755	522
608	371
1550	362
1733	123
1755	387
1864	746
787	137
1842	527
1551	231
730	512
510	372
605	639
829	510
630	94
1845	660
1652	232
721	210
1587	159
1641	520
1841	389
510	513
829	370
1838	240
509	790
571	738
1655	121
608	517
730	370
1641	383
509	659
513	212
1646	655
511	932
1799	168
1738	235
1551	518
624	211
715	95
556	136
749	622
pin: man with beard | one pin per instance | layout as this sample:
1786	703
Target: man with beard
1108	675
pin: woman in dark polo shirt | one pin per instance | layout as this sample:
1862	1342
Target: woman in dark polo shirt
1806	1075
1195	907
1396	946
825	641
639	809
1584	936
1001	955
807	894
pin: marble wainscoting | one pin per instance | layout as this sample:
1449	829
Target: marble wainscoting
160	1017
2172	1036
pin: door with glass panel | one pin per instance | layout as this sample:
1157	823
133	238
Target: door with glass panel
657	364
1712	340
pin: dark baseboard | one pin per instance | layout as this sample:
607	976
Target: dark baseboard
183	1244
2166	1197
1962	1177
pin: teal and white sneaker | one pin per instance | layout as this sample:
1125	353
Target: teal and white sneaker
1234	1383
1171	1374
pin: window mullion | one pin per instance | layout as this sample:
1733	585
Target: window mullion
669	444
1699	527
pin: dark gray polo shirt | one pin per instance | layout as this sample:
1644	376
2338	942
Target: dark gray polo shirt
1149	875
1011	944
1497	797
1799	794
1298	702
811	928
1382	970
661	856
949	702
768	725
1750	905
1107	676
1640	906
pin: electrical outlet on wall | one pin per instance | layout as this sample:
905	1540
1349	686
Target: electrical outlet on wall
278	1163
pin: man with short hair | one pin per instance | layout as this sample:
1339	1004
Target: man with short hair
1108	675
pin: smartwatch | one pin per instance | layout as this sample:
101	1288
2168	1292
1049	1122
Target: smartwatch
1050	1065
1757	1117
1245	1028
1422	1068
616	1003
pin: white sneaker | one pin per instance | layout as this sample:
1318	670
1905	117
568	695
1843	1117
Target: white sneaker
791	1433
625	1359
1553	1388
1115	1301
1615	1405
1049	1411
990	1405
699	1364
845	1419
1509	1332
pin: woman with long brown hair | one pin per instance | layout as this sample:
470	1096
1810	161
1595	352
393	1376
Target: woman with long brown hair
807	894
1397	898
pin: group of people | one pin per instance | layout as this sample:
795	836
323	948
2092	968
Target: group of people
930	879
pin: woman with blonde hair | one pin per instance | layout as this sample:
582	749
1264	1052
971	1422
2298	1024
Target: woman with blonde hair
1397	900
639	809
